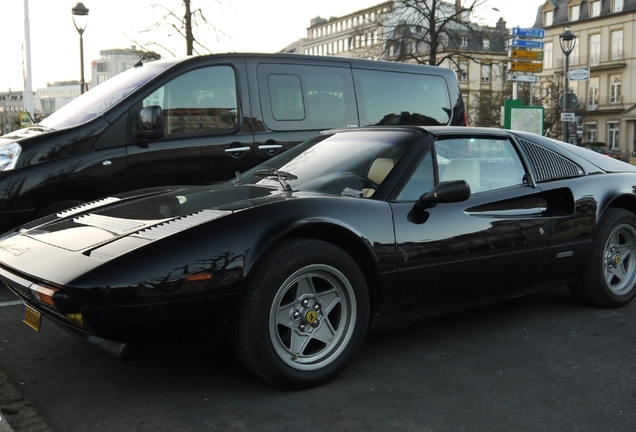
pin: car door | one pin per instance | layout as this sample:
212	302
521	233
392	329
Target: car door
205	137
458	254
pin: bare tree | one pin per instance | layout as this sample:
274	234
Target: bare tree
185	25
487	107
430	31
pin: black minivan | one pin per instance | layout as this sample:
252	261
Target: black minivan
199	120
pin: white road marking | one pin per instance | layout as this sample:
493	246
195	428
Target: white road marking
12	303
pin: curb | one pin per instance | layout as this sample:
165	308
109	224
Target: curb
16	412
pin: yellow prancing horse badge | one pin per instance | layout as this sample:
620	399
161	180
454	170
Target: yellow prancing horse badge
311	316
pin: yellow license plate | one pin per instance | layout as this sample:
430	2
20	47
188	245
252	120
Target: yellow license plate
31	317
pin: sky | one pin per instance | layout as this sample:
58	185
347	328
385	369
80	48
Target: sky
241	26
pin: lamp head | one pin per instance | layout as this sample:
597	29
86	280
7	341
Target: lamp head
80	17
567	40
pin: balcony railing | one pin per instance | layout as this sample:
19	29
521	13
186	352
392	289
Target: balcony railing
595	59
602	103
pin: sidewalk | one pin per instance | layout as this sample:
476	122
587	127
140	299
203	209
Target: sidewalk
14	409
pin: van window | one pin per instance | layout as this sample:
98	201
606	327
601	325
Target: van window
286	96
402	98
201	100
297	97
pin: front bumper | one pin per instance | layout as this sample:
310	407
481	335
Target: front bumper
141	330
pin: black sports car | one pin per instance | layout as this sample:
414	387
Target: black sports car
356	230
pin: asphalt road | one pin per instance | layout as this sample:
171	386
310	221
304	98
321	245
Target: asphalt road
539	363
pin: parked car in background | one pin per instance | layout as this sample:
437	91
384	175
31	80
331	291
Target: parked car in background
355	230
615	155
200	119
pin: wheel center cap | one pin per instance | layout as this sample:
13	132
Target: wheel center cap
311	316
617	259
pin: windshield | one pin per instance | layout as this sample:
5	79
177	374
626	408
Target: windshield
350	163
99	99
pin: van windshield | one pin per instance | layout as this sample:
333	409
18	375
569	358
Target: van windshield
102	97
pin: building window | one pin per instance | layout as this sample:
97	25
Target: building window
615	88
103	67
595	49
548	17
593	94
617	6
485	73
617	44
575	12
486	44
547	55
590	132
612	135
464	41
595	8
462	71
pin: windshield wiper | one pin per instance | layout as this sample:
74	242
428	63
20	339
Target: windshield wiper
281	176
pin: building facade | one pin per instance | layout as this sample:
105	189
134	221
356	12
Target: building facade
605	33
11	103
54	96
114	61
478	53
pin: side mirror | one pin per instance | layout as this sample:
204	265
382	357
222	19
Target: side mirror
151	122
445	192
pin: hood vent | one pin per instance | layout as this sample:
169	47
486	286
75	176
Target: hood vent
88	206
112	224
176	225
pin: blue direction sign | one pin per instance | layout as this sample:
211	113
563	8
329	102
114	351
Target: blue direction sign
526	43
528	32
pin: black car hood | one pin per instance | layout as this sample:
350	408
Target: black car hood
148	217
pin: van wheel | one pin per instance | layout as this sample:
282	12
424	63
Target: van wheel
304	315
59	206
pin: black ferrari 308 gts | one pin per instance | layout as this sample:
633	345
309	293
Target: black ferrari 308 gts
354	231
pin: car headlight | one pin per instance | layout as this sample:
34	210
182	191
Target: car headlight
9	156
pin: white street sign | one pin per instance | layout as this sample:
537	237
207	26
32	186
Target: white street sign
579	74
523	78
567	116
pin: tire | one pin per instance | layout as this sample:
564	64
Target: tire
304	315
58	206
609	278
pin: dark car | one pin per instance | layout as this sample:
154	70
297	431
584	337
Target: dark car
615	155
198	120
352	231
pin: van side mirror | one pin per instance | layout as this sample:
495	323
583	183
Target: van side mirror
445	192
151	122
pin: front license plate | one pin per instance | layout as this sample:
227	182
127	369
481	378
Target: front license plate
31	317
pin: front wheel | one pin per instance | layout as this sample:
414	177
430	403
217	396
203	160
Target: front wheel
304	315
609	279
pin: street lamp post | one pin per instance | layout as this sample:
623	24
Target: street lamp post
567	41
80	20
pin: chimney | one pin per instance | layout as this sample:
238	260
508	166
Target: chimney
458	6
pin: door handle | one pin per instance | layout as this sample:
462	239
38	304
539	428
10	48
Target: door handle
270	146
237	150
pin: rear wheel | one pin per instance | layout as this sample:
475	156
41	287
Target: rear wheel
304	315
609	279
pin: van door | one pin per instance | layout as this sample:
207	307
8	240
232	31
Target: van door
206	130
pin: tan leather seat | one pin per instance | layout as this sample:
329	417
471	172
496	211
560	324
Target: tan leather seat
380	168
464	169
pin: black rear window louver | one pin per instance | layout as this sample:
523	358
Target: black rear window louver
549	165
